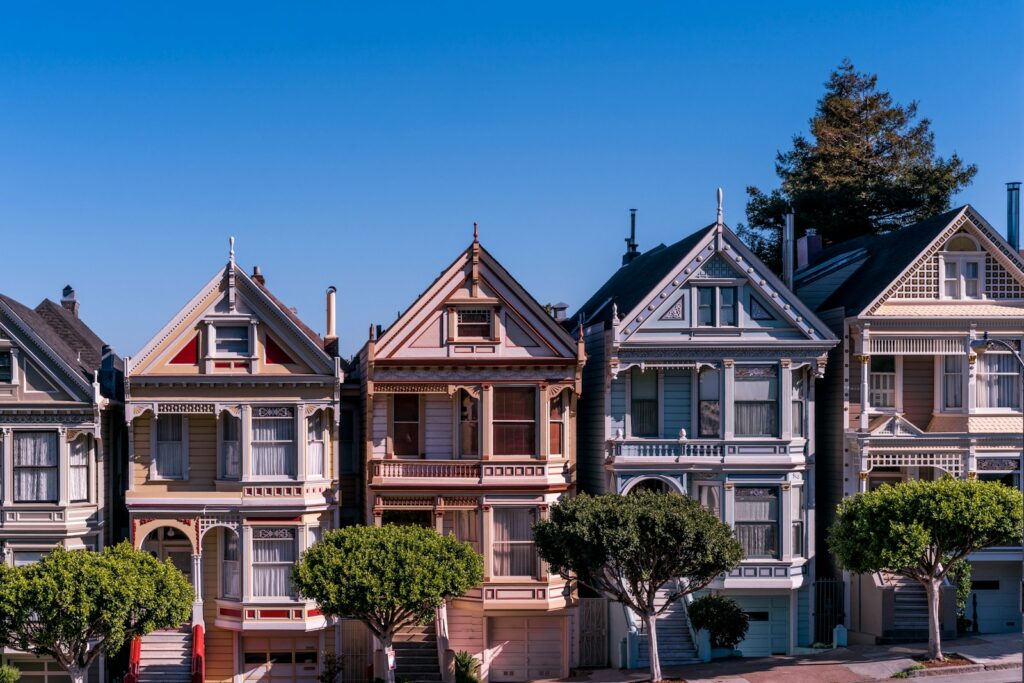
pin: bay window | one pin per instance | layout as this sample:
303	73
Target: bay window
952	382
406	424
513	550
36	458
469	425
274	553
643	403
757	521
315	445
79	470
709	391
757	400
556	425
230	447
273	442
515	421
998	381
883	382
230	573
169	462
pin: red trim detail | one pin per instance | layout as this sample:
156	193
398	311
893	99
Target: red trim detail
222	364
189	355
134	657
275	354
198	655
250	614
315	613
231	612
275	614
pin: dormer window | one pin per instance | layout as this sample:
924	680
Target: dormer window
716	306
231	341
961	269
474	323
6	371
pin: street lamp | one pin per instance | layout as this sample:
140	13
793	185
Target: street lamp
981	346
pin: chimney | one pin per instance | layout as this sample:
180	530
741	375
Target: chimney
1013	215
558	311
332	332
257	275
69	301
807	248
787	249
631	252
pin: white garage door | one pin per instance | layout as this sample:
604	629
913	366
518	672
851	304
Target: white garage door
525	648
768	633
994	597
280	660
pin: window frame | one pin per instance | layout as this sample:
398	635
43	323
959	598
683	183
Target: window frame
316	433
294	454
458	324
7	374
220	354
86	444
776	523
1016	394
944	374
253	564
225	536
655	431
557	422
154	470
59	445
536	515
534	421
959	259
462	398
719	390
223	443
737	381
393	422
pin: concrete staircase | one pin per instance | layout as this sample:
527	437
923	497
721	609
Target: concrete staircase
166	656
416	654
675	645
910	612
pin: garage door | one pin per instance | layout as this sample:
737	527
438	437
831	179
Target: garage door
768	633
525	648
280	660
994	597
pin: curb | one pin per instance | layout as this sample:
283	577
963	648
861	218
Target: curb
967	669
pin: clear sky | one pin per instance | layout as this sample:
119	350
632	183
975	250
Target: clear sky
355	144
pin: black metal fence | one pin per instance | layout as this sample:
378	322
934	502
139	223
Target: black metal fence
828	608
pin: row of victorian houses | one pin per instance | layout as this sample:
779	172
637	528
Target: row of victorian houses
238	435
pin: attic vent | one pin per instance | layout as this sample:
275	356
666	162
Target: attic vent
474	322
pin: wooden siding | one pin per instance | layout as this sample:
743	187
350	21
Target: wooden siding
202	456
591	415
918	389
220	664
677	386
618	389
437	413
466	632
380	426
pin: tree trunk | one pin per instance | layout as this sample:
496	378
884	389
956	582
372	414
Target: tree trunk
388	647
76	673
933	589
652	646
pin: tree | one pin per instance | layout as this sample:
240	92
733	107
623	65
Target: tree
869	167
629	547
387	577
920	529
76	605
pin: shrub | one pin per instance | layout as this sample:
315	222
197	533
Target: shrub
466	668
334	666
722	617
9	674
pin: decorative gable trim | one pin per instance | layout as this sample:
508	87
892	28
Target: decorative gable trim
893	426
46	359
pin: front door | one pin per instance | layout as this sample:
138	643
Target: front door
167	543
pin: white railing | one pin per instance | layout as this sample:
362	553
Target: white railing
665	449
397	469
883	389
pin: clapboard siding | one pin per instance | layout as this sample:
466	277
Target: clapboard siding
202	456
380	426
438	426
219	642
618	404
676	387
918	389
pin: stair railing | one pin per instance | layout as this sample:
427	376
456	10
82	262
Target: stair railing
198	655
134	658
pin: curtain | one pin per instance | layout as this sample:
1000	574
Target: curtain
952	382
169	435
710	498
757	514
231	574
35	466
998	381
273	556
758	540
231	452
79	484
273	447
315	446
756	418
514	551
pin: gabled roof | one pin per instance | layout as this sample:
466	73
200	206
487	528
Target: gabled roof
633	282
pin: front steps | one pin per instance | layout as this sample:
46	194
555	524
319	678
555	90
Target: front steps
416	654
675	645
910	613
166	656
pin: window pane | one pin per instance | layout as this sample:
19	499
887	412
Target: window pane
407	424
952	382
727	309
469	425
706	306
407	408
514	553
998	381
232	340
516	403
514	421
644	403
5	367
168	428
35	466
273	555
273	442
231	452
474	322
757	515
710	418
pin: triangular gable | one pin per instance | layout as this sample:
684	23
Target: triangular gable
51	373
231	294
475	280
921	279
893	426
721	256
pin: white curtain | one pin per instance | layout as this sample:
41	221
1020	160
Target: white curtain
998	381
756	418
35	466
169	436
710	498
230	571
952	382
231	452
273	555
514	551
273	447
756	401
79	484
315	445
757	514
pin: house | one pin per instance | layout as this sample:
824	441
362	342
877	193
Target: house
236	410
700	381
903	398
61	433
470	402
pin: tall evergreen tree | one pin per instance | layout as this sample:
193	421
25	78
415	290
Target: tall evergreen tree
868	167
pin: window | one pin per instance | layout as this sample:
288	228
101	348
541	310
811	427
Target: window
231	573
514	552
961	278
170	439
798	400
757	521
407	424
709	388
556	425
710	498
469	425
882	382
273	556
232	341
35	467
6	369
515	428
952	382
230	447
799	503
23	558
79	469
643	406
465	524
716	306
727	306
706	306
315	445
273	442
473	323
757	400
998	381
280	659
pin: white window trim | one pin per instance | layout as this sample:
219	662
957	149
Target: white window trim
248	562
184	450
716	304
978	410
960	258
780	403
539	565
247	444
538	402
63	465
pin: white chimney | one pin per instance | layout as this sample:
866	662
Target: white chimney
787	249
332	332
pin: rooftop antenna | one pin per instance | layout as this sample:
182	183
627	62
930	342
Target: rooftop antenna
718	220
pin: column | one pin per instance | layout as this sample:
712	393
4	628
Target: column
245	542
197	586
786	398
301	440
486	431
865	390
730	504
245	426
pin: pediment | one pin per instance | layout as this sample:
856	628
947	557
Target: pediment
894	426
44	373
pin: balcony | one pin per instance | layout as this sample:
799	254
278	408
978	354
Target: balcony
703	452
462	473
279	615
501	594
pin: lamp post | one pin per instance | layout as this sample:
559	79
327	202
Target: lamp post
986	344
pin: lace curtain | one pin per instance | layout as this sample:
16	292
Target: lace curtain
273	555
273	447
514	552
79	484
757	517
231	574
998	381
35	466
169	461
315	445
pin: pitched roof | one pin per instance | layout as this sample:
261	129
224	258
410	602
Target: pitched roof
635	280
885	257
292	315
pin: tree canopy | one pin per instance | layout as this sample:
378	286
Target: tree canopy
630	547
920	529
387	577
869	166
76	605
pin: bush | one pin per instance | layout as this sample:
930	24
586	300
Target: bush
466	668
9	674
333	667
722	617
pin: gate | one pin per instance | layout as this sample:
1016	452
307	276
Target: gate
593	632
828	608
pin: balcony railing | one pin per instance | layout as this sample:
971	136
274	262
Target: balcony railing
665	449
425	469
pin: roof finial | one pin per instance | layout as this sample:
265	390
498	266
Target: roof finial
476	232
231	250
718	221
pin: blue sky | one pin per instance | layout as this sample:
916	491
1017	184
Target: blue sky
355	144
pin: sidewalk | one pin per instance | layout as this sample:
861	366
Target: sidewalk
843	665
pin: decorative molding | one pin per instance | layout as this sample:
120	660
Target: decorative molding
392	388
187	408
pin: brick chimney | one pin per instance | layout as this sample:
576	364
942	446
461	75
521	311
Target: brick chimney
257	275
69	301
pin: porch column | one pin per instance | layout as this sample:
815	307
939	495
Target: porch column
8	464
730	504
197	586
245	424
865	391
787	521
728	392
244	563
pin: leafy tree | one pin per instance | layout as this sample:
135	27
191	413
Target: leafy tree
724	619
869	167
630	547
959	574
387	577
76	605
920	529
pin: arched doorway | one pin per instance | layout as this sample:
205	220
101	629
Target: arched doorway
653	485
169	543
